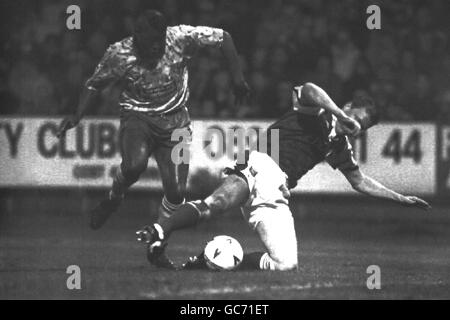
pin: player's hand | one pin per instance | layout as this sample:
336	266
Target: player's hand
285	191
68	123
241	91
416	202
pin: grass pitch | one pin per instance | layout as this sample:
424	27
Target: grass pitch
337	242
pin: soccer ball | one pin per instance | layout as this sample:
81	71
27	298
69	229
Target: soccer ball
223	253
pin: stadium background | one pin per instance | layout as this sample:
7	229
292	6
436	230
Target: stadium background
405	66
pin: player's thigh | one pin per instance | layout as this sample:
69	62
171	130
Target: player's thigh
173	176
277	232
232	193
135	145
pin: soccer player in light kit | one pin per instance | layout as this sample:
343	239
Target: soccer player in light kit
315	130
151	68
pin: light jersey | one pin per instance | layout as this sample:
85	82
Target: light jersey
307	136
159	90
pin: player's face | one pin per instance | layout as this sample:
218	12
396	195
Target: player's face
360	115
151	44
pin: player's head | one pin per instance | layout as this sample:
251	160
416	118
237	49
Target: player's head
363	110
149	35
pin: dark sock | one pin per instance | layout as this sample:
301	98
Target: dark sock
186	215
251	261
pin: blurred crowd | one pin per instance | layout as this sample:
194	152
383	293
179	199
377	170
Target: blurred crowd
405	66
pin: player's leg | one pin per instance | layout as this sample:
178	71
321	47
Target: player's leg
174	178
268	213
276	230
135	149
167	130
232	193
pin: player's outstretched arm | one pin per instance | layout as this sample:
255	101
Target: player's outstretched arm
87	98
369	186
241	88
314	95
109	70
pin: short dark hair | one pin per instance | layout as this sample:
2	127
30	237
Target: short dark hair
367	103
150	19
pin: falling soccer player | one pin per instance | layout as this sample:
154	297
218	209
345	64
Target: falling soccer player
315	130
151	68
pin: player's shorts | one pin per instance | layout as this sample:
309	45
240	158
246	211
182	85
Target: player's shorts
267	186
157	129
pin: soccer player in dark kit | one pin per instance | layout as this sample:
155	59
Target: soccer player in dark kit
151	68
315	130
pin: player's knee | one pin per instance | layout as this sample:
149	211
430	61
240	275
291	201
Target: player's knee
133	169
286	263
175	195
217	203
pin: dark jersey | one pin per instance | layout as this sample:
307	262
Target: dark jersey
306	140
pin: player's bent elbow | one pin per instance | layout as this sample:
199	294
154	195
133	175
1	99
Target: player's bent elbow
226	34
226	37
309	91
309	87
